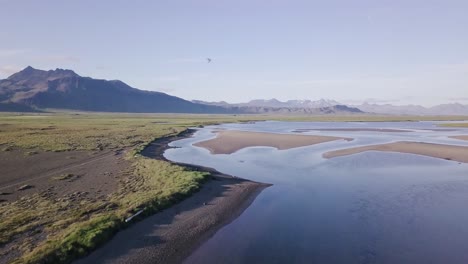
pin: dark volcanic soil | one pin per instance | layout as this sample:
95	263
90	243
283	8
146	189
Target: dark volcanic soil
64	172
172	235
167	237
73	176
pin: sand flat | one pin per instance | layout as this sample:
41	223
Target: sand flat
463	137
301	130
230	141
448	152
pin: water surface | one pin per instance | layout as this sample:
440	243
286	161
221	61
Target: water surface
372	207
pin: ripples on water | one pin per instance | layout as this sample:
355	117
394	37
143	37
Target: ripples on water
372	207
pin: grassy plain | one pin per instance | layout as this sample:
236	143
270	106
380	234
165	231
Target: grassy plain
455	125
72	226
44	228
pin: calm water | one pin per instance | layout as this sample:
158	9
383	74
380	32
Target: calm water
372	207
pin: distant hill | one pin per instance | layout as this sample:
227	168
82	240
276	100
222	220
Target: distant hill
32	89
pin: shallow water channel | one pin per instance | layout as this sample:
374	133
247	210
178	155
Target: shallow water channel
372	207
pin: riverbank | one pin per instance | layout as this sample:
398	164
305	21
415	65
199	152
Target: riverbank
171	235
230	141
448	152
463	137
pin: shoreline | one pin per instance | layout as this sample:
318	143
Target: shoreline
172	235
462	137
447	152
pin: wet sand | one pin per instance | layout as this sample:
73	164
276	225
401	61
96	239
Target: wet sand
229	141
448	152
463	137
302	130
173	234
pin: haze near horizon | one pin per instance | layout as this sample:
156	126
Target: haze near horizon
388	52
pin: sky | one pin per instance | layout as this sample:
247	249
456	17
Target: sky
397	52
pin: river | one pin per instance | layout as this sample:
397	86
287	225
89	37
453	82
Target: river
372	207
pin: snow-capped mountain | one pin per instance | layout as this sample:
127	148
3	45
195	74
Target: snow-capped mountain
442	109
261	106
291	103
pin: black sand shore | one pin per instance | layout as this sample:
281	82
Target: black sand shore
173	234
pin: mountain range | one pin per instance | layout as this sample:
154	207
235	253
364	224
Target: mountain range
442	109
37	90
33	89
304	106
274	106
279	104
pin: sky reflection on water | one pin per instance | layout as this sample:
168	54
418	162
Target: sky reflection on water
372	207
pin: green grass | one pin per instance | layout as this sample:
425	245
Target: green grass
64	132
74	226
154	185
159	184
79	239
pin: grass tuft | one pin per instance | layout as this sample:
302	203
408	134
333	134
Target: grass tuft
76	243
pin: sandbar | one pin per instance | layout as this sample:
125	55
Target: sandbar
301	130
448	152
230	141
463	137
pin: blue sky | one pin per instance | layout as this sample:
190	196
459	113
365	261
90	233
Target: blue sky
395	52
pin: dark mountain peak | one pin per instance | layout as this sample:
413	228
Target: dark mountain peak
25	73
32	89
30	73
63	72
29	68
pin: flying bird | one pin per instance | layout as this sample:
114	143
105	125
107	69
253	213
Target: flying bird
208	59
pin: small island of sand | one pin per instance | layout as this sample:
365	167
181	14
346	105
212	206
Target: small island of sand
463	137
229	141
448	152
302	130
